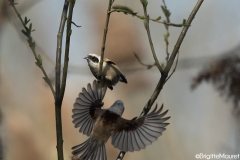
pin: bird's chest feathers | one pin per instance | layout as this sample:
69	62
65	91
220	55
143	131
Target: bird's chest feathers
93	67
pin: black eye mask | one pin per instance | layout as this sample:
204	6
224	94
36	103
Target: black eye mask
95	59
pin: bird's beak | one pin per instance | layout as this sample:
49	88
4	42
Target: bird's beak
85	58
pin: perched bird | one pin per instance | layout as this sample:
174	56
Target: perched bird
111	73
100	124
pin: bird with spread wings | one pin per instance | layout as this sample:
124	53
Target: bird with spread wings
101	124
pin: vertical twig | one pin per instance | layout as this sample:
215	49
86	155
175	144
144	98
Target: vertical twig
150	40
166	36
66	58
105	36
58	101
182	35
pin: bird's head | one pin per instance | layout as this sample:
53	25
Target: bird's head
117	107
93	58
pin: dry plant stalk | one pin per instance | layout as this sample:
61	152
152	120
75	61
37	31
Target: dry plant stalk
58	94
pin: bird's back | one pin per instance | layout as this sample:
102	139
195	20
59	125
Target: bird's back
104	125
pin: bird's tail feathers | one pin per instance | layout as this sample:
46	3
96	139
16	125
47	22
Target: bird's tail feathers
89	150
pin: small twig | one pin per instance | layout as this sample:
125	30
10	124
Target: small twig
66	58
149	66
166	36
32	46
165	23
120	155
75	24
164	4
182	35
151	19
164	75
150	41
173	69
105	36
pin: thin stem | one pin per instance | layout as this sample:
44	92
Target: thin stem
75	24
168	23
164	75
66	58
105	36
166	36
150	41
155	94
46	78
58	100
151	19
121	155
149	66
164	4
173	69
182	35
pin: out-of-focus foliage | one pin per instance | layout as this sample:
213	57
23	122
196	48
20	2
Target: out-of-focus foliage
224	74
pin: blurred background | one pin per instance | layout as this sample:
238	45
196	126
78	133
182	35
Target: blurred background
202	121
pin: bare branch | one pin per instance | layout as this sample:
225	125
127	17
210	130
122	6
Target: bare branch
166	36
32	46
173	69
150	40
164	75
66	58
182	35
58	100
149	66
120	155
151	19
105	36
75	24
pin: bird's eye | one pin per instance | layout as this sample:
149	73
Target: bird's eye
95	59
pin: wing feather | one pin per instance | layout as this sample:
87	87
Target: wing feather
139	140
87	106
136	134
130	142
87	95
95	90
125	142
84	99
90	91
144	137
134	142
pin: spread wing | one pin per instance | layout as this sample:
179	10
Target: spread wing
133	135
88	106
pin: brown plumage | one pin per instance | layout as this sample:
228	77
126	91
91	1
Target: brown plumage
111	73
100	124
